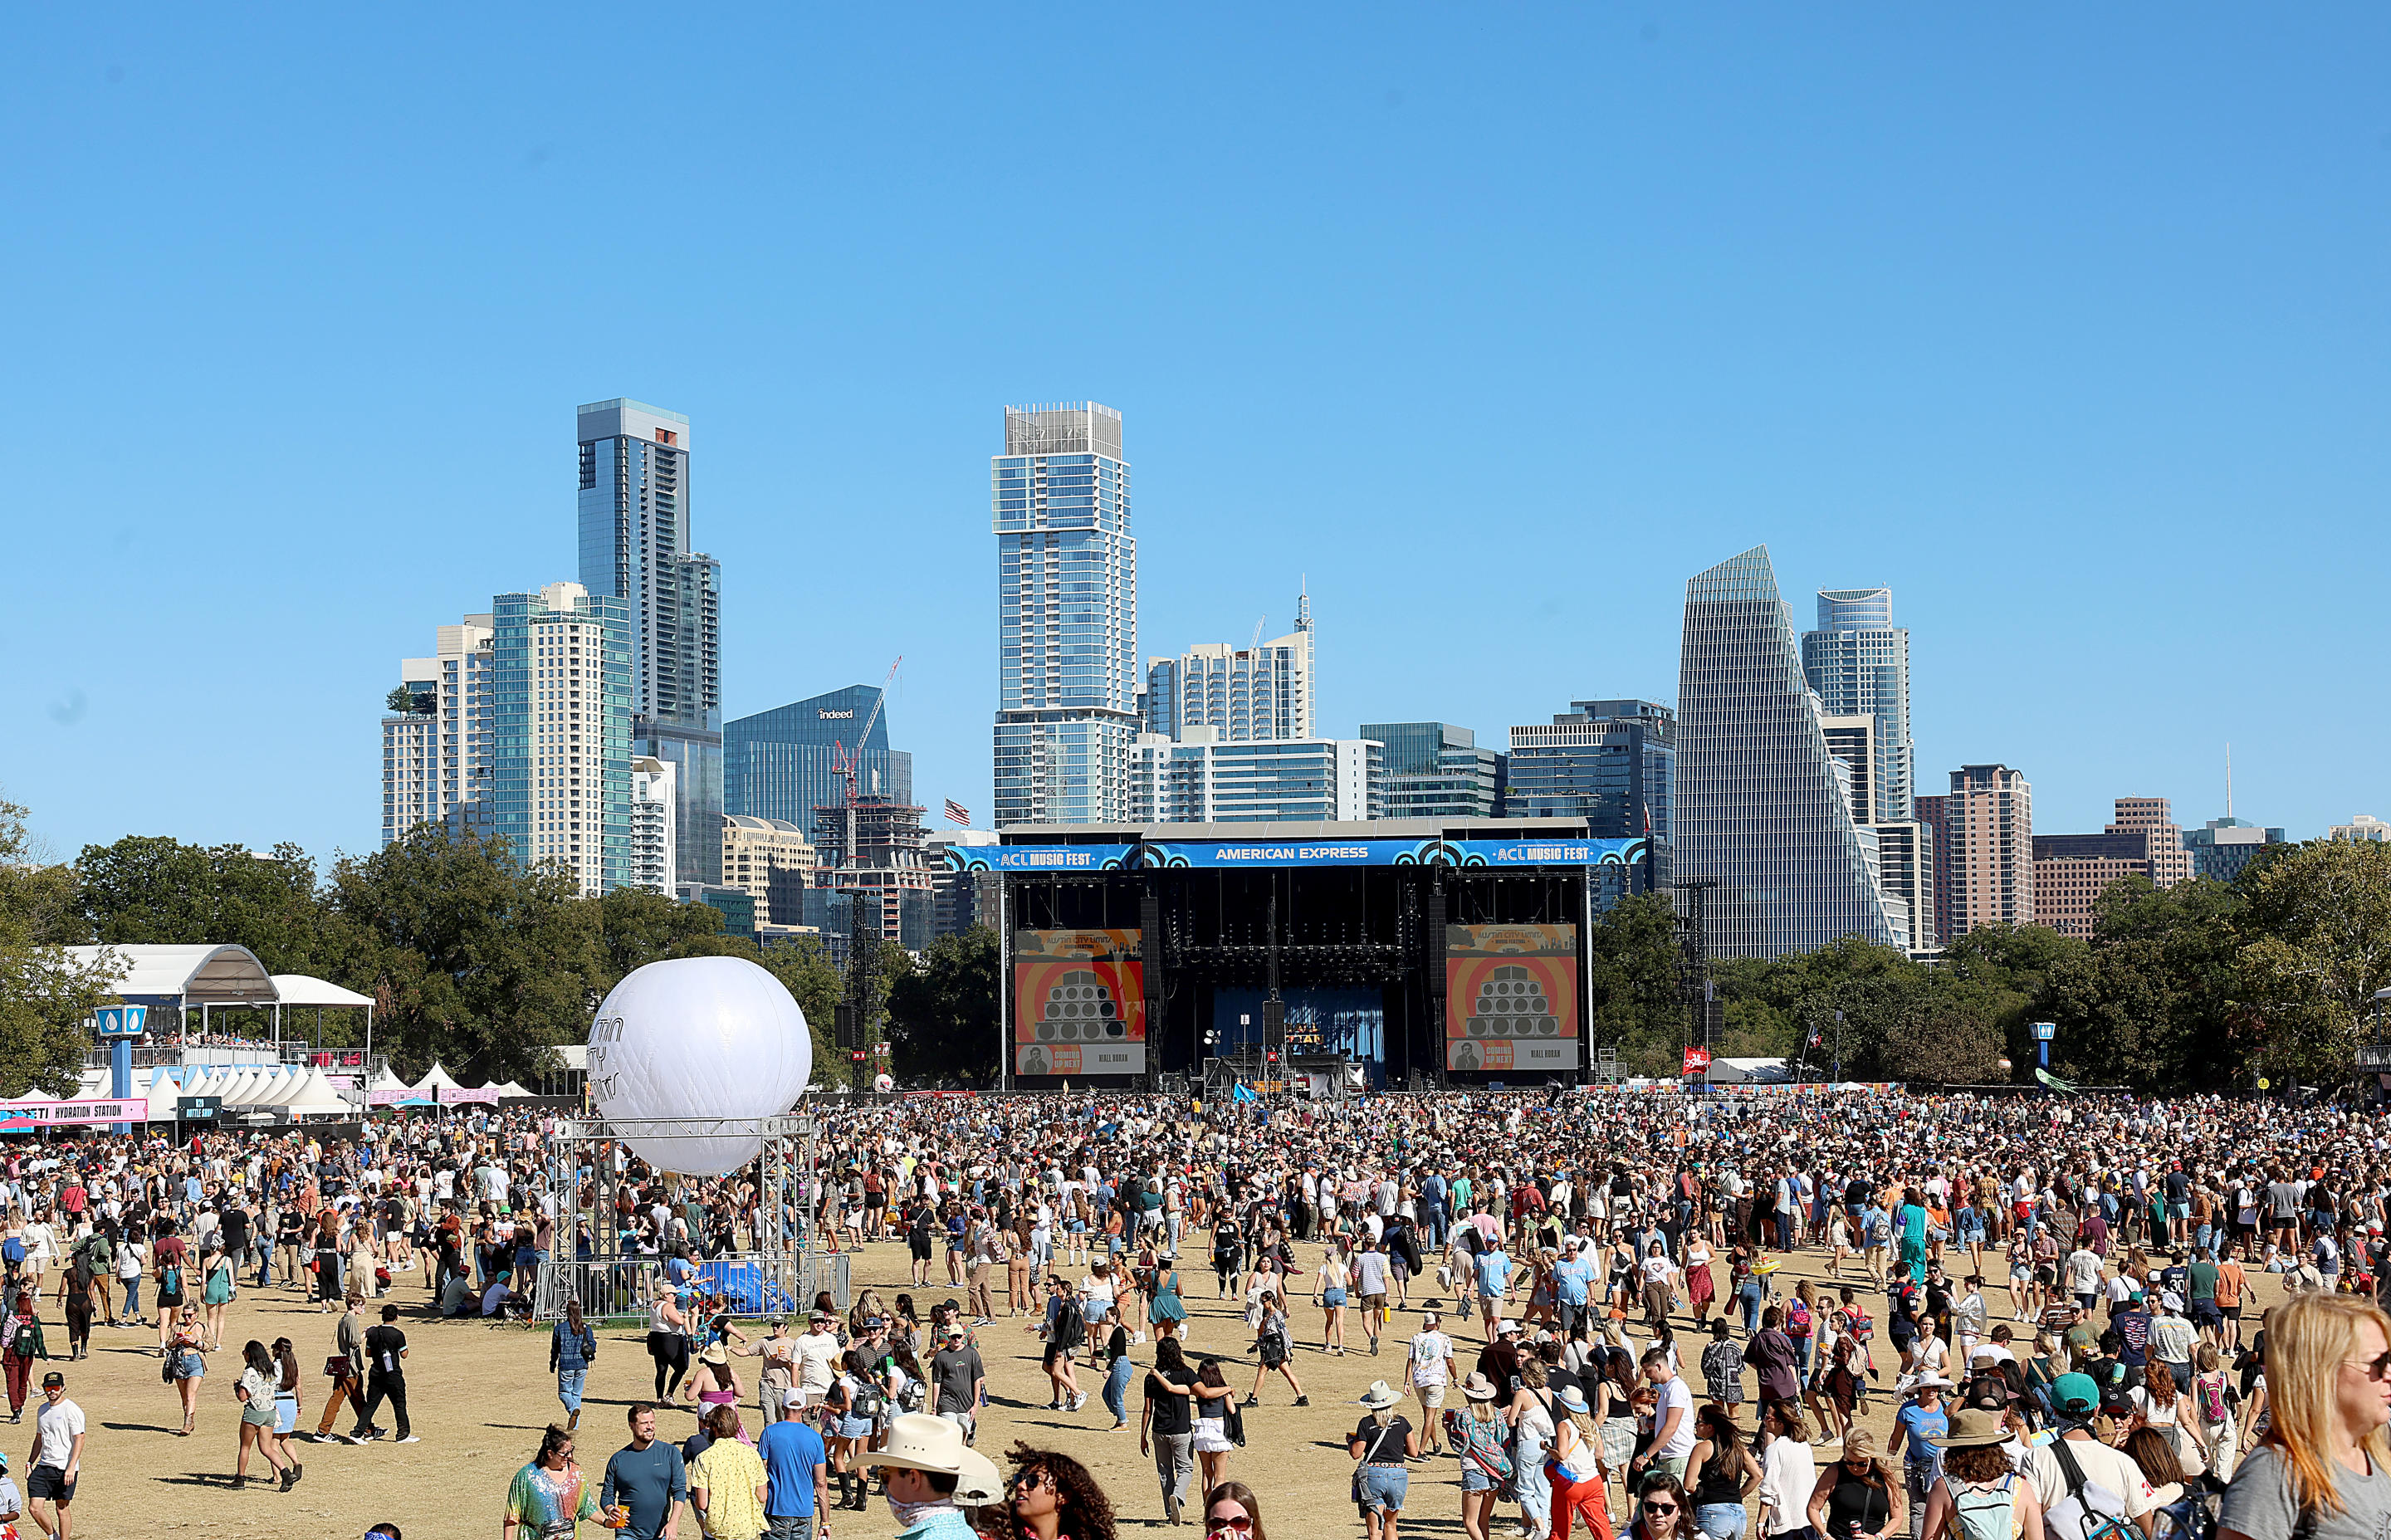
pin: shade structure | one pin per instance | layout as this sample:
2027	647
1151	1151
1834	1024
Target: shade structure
511	1088
278	1090
314	1097
387	1082
238	1086
297	989
436	1079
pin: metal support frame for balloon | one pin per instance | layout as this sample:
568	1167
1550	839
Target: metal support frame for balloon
777	1272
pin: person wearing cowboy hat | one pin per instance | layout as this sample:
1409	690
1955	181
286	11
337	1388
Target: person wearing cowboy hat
923	1470
1977	1481
1379	1444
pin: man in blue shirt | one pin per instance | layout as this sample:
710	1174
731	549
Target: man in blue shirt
648	1479
1574	1281
797	1483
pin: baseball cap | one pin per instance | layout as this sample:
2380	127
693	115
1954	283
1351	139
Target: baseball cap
2070	1392
53	1378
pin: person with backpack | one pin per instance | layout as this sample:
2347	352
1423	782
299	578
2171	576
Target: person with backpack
1064	1329
2087	1490
1978	1495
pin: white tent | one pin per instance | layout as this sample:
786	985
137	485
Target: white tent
275	1089
387	1082
238	1087
314	1097
510	1089
436	1080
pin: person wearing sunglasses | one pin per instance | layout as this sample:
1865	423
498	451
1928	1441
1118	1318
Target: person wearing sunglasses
1230	1513
1662	1511
1052	1495
2322	1468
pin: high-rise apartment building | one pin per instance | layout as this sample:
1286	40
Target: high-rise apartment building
1983	850
772	861
653	807
561	731
1900	852
1434	769
1761	815
1245	695
634	540
1858	662
2226	845
1067	616
783	763
435	763
1202	779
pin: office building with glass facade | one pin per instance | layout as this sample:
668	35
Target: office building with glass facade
561	731
435	759
1434	769
1204	780
634	529
1612	763
1067	616
2224	846
783	763
1760	814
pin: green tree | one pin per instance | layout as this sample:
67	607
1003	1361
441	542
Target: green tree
473	960
47	994
148	889
2149	1002
1631	980
942	1015
803	966
2316	923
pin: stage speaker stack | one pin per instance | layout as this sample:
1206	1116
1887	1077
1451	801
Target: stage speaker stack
1434	951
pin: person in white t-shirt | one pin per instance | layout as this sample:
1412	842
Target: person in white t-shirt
1672	1420
1427	1374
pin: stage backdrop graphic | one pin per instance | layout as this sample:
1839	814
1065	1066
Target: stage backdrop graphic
1510	998
1078	1002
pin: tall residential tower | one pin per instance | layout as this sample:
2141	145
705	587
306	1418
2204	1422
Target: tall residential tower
561	731
1067	616
1858	663
436	746
635	530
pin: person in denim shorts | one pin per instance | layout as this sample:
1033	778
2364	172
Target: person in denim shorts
1381	1441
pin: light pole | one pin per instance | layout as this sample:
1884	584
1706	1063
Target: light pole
1839	1047
2043	1032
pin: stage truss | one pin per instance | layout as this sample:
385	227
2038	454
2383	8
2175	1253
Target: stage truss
775	1267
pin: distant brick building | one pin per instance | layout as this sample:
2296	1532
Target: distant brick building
2071	872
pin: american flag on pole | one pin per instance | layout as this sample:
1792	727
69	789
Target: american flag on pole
957	813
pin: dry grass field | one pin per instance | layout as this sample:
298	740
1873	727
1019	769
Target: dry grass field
479	1396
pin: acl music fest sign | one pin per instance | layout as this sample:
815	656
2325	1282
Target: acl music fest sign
1510	998
1078	1002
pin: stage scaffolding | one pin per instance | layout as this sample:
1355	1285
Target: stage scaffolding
776	1270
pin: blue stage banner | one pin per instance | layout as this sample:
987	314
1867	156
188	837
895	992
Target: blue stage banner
1217	855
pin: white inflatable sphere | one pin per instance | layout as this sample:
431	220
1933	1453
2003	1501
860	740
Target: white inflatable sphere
698	1037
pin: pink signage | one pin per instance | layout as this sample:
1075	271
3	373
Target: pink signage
19	1117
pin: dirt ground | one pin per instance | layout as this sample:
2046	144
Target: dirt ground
480	1395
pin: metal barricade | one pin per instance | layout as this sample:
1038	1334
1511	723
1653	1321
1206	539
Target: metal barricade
622	1289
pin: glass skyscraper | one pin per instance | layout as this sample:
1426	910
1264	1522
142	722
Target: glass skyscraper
1760	813
561	731
1434	769
779	763
1858	662
634	540
1067	616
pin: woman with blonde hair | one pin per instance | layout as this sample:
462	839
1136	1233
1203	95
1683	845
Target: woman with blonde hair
2320	1468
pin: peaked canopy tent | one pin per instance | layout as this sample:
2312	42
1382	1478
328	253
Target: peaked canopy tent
297	989
437	1079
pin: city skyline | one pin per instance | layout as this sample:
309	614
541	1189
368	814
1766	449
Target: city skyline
1882	298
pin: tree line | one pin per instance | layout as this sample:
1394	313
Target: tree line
2201	986
474	958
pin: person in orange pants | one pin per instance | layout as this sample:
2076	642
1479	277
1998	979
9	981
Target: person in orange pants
1575	1470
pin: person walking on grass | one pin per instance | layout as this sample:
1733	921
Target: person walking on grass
55	1463
385	1377
254	1390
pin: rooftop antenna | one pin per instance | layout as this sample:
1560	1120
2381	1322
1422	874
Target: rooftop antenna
2228	783
1303	605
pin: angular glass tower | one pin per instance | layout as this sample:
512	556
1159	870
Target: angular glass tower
634	541
1067	616
1760	811
1858	662
782	763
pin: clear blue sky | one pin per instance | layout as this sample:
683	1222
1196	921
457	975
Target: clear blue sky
1498	321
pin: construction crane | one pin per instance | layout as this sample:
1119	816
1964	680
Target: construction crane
842	763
